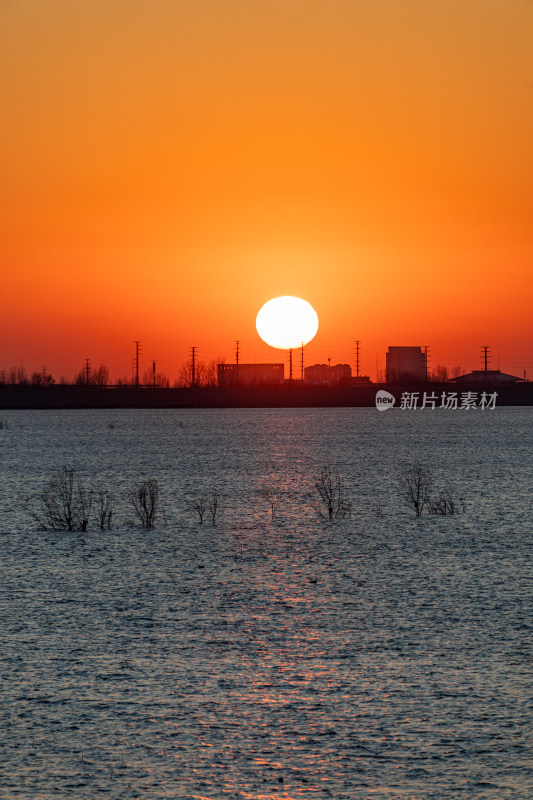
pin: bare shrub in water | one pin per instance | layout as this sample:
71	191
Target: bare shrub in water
269	494
416	482
212	507
446	503
145	502
331	501
203	504
104	508
64	503
198	504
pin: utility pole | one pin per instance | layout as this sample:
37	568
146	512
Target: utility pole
193	372
136	362
302	363
485	356
153	374
357	351
87	370
426	360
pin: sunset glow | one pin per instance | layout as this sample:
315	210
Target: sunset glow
167	166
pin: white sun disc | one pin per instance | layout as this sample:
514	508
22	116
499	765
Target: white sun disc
287	322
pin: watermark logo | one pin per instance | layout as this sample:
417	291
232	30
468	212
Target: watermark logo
453	401
384	400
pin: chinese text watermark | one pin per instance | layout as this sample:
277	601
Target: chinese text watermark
452	401
462	401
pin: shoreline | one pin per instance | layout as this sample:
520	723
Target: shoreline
17	398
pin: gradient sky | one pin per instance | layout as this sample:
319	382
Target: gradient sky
168	166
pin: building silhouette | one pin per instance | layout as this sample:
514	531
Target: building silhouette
489	376
325	374
250	374
405	364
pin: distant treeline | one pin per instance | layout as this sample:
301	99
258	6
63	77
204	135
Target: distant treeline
205	375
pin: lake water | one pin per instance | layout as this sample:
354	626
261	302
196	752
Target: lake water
381	656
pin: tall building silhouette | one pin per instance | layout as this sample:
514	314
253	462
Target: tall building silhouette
405	364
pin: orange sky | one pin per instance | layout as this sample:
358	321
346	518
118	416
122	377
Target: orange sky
167	166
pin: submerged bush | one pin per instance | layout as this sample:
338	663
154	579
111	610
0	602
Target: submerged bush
203	504
331	501
144	500
269	494
416	482
104	508
446	503
64	503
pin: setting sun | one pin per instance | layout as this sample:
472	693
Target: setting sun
287	322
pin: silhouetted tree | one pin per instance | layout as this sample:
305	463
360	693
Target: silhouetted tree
447	503
272	498
38	379
104	508
96	377
440	374
205	375
100	376
64	503
416	482
161	380
17	375
332	501
198	504
203	504
144	500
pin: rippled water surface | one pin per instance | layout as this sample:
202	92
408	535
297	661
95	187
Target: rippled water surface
381	656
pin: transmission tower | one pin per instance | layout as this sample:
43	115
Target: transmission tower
153	374
485	355
87	370
290	364
357	353
193	367
302	362
426	360
136	362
